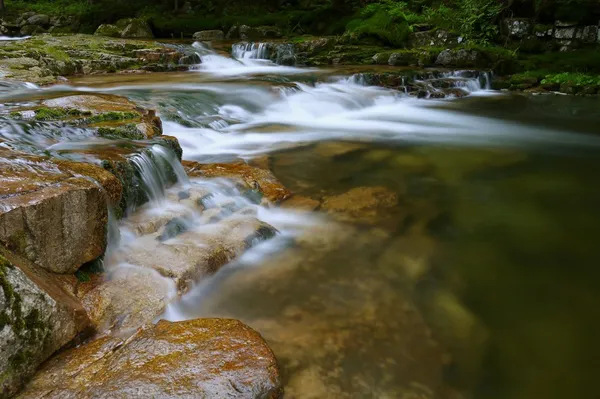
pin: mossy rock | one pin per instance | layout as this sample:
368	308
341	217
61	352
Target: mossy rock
108	30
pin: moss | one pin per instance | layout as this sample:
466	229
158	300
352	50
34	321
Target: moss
18	242
49	114
16	115
112	116
56	53
7	288
82	276
129	131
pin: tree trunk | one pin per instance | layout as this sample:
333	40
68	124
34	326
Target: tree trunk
1	5
176	7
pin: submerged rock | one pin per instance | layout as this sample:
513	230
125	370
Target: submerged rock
254	178
203	358
37	317
361	204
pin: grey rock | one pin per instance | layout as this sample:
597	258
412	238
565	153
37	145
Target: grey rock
517	27
434	38
233	33
458	58
589	34
564	33
209	35
403	59
134	28
39	19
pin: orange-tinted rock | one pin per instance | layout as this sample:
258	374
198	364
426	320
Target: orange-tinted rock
203	358
361	204
52	216
254	178
301	203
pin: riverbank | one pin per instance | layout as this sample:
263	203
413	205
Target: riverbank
47	59
311	203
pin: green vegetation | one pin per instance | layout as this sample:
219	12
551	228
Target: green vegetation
112	116
575	79
383	21
388	20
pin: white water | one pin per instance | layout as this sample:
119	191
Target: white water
13	38
248	59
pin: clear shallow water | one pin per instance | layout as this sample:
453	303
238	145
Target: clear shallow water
490	251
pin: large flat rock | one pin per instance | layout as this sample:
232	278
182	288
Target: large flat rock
203	358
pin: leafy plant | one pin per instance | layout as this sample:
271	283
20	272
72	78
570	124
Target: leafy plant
575	79
386	21
476	20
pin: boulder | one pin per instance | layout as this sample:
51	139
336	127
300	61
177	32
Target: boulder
209	35
37	317
254	178
108	30
134	28
203	358
403	59
458	58
54	218
517	28
39	19
32	30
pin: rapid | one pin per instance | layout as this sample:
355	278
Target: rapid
479	280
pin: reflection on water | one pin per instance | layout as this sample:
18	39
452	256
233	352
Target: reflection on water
478	280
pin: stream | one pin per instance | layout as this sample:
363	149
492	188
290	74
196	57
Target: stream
479	281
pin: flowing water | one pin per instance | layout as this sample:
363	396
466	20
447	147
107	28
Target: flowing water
480	281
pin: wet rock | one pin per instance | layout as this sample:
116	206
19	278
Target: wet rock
197	358
517	28
186	262
113	116
209	35
53	217
130	298
254	178
361	204
37	317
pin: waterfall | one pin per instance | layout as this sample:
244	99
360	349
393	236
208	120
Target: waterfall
251	51
158	168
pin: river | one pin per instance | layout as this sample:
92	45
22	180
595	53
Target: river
480	278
